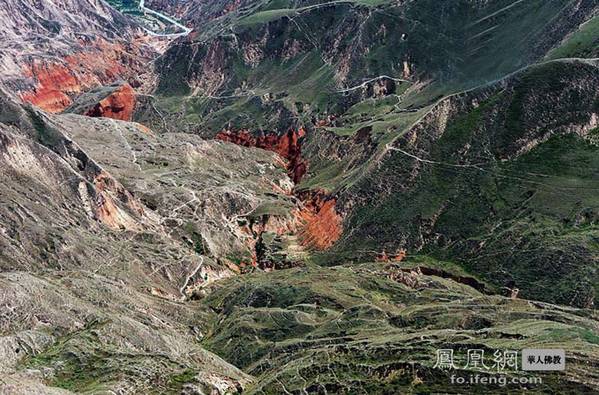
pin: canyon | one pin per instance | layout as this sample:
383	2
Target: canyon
296	196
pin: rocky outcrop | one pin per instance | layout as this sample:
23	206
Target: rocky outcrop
207	193
287	145
320	223
38	19
398	256
119	104
108	212
315	222
56	82
51	53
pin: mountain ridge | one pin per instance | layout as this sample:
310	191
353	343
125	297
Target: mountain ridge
297	196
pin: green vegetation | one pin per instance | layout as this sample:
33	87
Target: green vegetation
282	73
82	366
267	16
376	328
519	220
584	43
177	381
195	238
127	6
457	189
83	362
492	193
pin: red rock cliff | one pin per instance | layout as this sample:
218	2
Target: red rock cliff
98	63
54	82
118	105
287	145
321	225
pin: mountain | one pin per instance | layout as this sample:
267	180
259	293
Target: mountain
110	267
376	87
508	167
53	51
297	196
290	48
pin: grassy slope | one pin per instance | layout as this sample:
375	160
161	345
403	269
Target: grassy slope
583	43
356	330
370	328
528	222
372	38
124	5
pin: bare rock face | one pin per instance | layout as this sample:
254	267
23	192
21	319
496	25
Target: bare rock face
321	224
55	82
35	148
116	101
118	105
204	191
287	145
51	53
51	84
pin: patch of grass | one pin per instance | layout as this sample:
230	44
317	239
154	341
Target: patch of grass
278	208
178	380
197	241
583	43
266	16
78	369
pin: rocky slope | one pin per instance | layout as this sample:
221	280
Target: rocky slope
76	236
365	82
312	196
116	101
53	52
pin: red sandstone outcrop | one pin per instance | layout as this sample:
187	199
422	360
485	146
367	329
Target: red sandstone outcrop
54	82
398	256
287	145
315	221
58	80
117	105
108	211
321	225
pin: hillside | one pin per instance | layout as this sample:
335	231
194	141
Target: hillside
285	61
501	180
297	196
415	155
50	53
